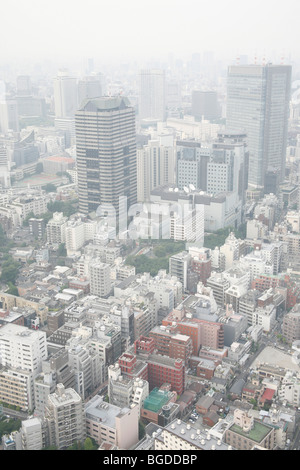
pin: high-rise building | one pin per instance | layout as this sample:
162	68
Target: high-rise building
89	87
152	103
65	417
100	283
205	105
65	95
258	102
66	104
155	167
22	352
106	153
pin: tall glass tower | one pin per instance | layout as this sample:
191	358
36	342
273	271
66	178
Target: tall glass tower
258	102
106	153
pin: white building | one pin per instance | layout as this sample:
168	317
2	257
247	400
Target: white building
112	424
265	317
22	352
179	435
100	282
155	167
55	229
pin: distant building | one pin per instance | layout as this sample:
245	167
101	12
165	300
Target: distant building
152	103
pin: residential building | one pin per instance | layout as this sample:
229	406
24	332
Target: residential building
110	424
65	418
55	229
246	433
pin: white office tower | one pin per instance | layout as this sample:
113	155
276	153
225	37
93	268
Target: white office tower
155	167
22	352
65	95
100	282
152	103
66	104
65	418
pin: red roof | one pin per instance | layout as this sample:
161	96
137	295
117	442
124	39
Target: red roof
267	395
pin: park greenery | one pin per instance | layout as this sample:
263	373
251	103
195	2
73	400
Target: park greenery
161	252
218	238
7	426
68	208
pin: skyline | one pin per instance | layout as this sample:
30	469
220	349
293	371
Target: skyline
38	30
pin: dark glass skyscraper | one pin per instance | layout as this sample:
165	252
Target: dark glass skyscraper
258	102
106	153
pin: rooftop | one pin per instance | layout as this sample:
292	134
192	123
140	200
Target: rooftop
257	433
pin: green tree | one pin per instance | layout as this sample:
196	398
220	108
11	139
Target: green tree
50	188
88	444
10	271
12	289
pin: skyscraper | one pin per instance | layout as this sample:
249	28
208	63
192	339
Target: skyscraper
65	95
89	87
152	94
106	153
66	103
155	167
258	102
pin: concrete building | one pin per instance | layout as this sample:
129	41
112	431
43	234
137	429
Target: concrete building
65	418
107	423
246	433
181	436
100	283
155	167
22	352
55	229
291	324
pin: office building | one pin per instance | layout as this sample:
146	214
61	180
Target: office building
65	95
89	87
205	105
191	164
106	153
152	103
258	102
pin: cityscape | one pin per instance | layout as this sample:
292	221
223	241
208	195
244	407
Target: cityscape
150	228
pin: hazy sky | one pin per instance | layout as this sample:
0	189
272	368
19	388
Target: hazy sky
127	28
